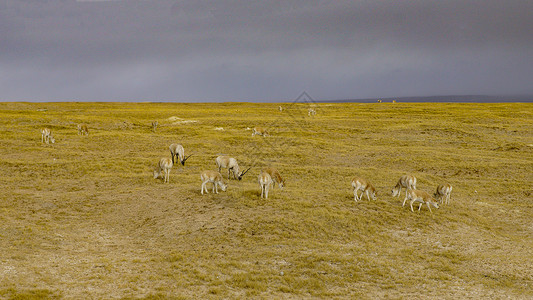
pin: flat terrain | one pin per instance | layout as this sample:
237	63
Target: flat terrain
84	217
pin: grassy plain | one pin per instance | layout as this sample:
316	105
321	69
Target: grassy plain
83	218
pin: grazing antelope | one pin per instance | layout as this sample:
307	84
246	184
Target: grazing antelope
422	197
406	181
259	131
232	165
265	181
365	187
164	165
178	151
46	136
276	177
154	125
311	112
443	190
82	129
215	178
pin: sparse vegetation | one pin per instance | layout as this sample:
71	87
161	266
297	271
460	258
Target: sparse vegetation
84	217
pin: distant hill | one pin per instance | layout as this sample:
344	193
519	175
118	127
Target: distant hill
450	98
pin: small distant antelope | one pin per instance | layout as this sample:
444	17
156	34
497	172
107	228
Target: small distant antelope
154	125
178	151
259	131
164	165
393	101
365	187
265	181
232	165
215	178
406	181
311	112
280	108
82	129
276	177
46	136
379	101
422	197
443	191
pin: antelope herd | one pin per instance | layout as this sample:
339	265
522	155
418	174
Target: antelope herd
269	176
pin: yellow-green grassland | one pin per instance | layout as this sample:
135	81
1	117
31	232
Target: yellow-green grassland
84	217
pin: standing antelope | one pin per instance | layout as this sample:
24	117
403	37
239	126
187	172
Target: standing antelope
280	108
265	181
422	197
154	125
276	177
178	151
311	112
46	136
164	165
231	164
259	131
406	181
365	187
215	178
443	190
82	129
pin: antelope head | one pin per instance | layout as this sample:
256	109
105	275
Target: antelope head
183	161
243	172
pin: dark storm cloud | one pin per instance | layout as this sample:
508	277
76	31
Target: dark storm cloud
261	50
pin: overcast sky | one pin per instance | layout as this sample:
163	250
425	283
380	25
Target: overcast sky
240	50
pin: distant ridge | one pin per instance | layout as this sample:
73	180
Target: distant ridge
450	98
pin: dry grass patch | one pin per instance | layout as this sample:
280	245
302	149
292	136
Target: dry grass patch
84	217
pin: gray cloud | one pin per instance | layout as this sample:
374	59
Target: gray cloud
136	50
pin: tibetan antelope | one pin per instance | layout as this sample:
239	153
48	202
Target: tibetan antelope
406	181
311	112
178	151
265	181
365	187
276	177
232	165
422	197
154	125
379	101
215	178
46	136
82	129
280	108
164	165
443	191
259	131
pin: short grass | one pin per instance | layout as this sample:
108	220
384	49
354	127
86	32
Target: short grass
84	217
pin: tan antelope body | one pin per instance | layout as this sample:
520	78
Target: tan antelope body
46	136
365	187
154	125
422	197
311	112
265	181
276	177
82	129
163	169
443	191
213	177
176	150
259	131
406	181
231	164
